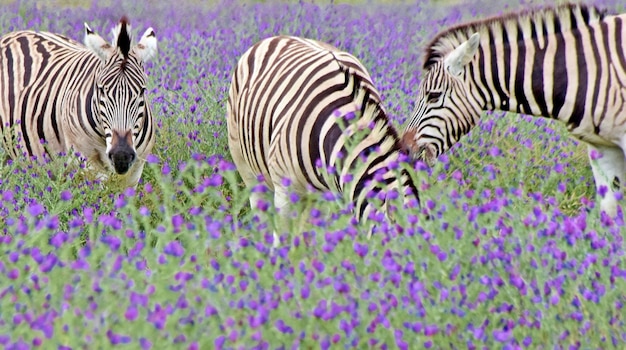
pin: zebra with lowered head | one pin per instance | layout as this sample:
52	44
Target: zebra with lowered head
567	63
285	117
58	96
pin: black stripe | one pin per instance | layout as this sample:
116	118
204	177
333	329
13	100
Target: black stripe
585	14
39	118
483	78
143	132
581	93
559	76
472	72
506	62
54	122
89	115
522	103
538	74
369	176
557	24
467	123
495	61
10	91
25	123
28	60
621	55
597	83
574	22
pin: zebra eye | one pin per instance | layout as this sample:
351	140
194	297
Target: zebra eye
433	96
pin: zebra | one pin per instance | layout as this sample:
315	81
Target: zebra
566	62
58	96
285	120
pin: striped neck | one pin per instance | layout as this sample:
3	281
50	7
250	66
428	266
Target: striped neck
531	62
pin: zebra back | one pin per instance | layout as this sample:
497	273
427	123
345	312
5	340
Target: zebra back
303	110
531	23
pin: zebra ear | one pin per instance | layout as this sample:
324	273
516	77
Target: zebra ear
457	59
147	46
99	46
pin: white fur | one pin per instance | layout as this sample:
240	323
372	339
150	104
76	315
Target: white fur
610	165
456	60
147	46
97	44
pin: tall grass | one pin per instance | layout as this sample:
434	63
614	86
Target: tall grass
516	253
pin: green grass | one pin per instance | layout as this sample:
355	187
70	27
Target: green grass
184	261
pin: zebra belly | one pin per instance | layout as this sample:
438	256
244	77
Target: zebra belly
608	134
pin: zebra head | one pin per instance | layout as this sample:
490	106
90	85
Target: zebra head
119	104
445	109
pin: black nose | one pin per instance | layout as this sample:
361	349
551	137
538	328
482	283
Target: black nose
122	159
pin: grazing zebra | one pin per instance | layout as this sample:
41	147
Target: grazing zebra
566	63
286	104
58	96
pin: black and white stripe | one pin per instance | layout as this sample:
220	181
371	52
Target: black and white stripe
566	63
286	119
59	96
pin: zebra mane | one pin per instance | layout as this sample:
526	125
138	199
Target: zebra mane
557	20
123	38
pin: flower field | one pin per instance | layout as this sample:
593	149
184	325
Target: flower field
515	255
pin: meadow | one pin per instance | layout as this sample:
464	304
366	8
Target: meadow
516	254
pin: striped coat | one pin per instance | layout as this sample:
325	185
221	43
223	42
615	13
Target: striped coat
288	106
566	63
59	96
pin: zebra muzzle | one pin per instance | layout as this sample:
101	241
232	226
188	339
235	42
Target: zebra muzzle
122	153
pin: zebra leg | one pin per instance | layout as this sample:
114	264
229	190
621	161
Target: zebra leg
609	170
255	197
281	199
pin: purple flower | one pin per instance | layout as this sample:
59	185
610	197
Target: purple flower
527	341
294	197
145	344
360	249
177	221
131	313
152	159
219	342
502	336
113	242
35	209
282	327
209	310
595	155
431	330
66	195
116	339
174	248
318	265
